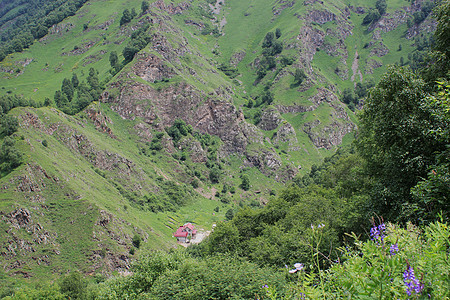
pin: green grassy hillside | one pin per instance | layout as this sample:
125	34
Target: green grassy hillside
212	93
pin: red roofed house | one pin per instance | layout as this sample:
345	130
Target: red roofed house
185	233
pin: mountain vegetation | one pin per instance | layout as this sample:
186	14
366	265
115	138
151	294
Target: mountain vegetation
314	136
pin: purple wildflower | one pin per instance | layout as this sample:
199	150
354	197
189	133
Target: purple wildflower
377	232
321	225
411	282
265	286
393	249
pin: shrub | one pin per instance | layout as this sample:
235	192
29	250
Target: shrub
214	175
136	241
73	286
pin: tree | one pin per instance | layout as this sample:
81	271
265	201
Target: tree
442	33
9	125
245	183
129	52
92	79
67	89
113	59
278	33
381	6
133	13
372	16
433	192
277	48
10	157
136	241
214	175
268	39
75	81
348	96
144	6
47	102
394	141
439	62
229	214
267	97
299	76
126	17
73	286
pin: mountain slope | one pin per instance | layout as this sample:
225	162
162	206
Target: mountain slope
215	94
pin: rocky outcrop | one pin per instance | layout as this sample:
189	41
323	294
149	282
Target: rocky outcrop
237	57
281	5
371	65
379	50
327	136
270	119
195	149
151	68
320	16
427	26
14	245
99	119
171	9
286	134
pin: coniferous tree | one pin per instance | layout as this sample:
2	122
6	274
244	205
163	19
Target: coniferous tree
67	89
75	81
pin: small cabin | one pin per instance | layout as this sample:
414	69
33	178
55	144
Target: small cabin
185	233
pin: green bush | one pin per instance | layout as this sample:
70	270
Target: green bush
73	286
136	241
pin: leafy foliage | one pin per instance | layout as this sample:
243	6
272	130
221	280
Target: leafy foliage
139	39
8	125
394	141
406	262
10	157
74	96
25	21
73	286
175	276
275	234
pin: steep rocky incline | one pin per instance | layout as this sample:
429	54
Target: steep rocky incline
159	105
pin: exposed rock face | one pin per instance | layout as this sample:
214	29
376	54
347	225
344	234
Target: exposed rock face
327	136
100	121
171	8
151	68
21	219
286	134
310	40
237	57
270	119
379	50
428	25
372	64
159	107
282	5
320	16
197	154
390	21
